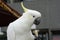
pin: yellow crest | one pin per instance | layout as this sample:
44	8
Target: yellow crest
24	8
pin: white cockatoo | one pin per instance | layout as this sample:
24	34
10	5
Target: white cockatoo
20	29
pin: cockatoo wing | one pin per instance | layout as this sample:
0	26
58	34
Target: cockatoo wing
10	33
29	36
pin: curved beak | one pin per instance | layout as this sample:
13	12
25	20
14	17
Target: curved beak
37	21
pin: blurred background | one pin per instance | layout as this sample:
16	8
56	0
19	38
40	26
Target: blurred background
49	28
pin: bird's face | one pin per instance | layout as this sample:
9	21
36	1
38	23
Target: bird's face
32	14
36	16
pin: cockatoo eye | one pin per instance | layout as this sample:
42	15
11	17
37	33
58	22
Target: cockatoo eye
33	16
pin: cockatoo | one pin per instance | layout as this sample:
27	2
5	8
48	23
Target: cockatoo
20	29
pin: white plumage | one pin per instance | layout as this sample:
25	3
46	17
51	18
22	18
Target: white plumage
20	29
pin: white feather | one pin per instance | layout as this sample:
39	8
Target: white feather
20	29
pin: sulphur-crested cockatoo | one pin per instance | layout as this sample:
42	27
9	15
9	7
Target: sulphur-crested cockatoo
20	29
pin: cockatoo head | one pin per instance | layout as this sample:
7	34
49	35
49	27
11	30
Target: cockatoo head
33	13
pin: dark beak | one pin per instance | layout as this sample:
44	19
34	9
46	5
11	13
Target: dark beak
37	21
